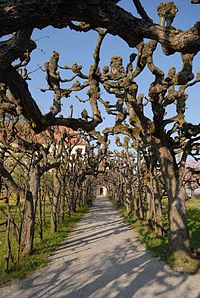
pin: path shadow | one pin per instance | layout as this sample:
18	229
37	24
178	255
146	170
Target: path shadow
122	276
102	258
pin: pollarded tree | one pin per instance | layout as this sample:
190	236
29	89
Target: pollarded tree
20	95
164	136
22	151
79	16
182	137
142	175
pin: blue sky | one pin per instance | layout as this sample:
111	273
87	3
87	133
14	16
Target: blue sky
78	47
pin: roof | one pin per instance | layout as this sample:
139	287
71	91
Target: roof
193	165
72	136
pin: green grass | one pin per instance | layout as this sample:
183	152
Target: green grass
41	251
193	211
159	247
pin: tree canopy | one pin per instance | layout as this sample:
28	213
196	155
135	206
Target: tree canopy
21	17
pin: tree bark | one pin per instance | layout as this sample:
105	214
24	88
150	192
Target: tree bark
17	15
150	202
178	229
40	219
29	224
158	209
128	196
54	208
31	206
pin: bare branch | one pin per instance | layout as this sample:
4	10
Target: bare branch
14	48
141	11
105	14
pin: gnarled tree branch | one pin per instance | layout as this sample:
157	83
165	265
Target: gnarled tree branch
104	14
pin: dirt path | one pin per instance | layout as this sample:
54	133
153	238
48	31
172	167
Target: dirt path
103	258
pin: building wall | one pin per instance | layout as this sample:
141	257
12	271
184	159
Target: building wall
102	191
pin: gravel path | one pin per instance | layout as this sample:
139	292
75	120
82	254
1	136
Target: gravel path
103	258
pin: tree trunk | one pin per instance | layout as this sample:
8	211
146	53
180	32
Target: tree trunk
178	230
128	197
29	224
8	255
30	208
54	208
158	209
40	221
149	202
140	197
154	207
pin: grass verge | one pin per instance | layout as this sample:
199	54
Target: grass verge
42	250
159	246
